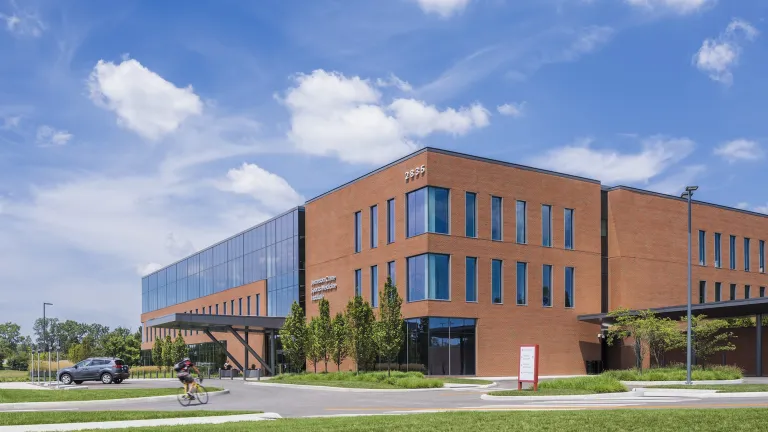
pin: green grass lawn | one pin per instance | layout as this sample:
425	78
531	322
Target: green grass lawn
465	381
726	420
47	417
569	386
369	380
13	376
17	396
677	373
721	388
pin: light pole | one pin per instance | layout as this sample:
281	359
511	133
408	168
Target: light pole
45	339
689	194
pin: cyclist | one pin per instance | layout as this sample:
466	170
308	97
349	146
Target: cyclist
183	373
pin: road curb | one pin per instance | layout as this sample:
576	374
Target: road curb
699	394
65	404
558	398
142	423
661	383
360	390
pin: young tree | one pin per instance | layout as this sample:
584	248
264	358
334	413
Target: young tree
325	332
663	336
314	348
293	337
168	353
389	333
627	324
180	349
708	336
81	351
360	322
339	340
157	352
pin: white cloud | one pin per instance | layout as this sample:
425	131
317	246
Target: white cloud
443	8
511	109
394	81
758	208
675	183
717	57
267	188
334	115
742	205
145	269
762	209
740	149
612	166
21	22
143	100
682	7
50	137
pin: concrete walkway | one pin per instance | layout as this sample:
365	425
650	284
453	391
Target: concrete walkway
21	386
141	423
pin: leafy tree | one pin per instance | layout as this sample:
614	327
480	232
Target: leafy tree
293	336
325	332
168	357
626	324
388	333
81	351
663	335
10	338
180	349
45	332
123	344
339	339
360	322
314	348
708	336
157	352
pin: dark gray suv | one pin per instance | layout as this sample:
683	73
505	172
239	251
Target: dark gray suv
108	370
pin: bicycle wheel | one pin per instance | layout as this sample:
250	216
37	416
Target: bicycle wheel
183	399
201	394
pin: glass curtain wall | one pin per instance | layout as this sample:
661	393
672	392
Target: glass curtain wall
427	211
440	346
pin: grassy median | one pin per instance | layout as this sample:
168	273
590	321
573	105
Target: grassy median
569	386
18	396
371	380
677	373
57	417
726	420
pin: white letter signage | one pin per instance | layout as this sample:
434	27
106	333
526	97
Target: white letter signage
529	366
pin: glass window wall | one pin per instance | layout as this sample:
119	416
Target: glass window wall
428	277
428	211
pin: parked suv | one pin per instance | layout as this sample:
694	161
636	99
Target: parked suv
108	370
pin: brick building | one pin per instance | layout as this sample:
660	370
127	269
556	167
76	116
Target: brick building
487	256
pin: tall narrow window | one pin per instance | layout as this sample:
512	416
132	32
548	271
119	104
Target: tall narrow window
374	286
231	307
248	305
240	306
522	283
569	287
718	253
520	222
702	247
391	272
747	291
733	292
471	279
732	251
546	225
746	254
718	293
546	285
374	226
761	255
358	232
497	284
496	218
428	211
258	304
702	291
762	291
358	282
391	221
470	214
428	277
225	308
569	228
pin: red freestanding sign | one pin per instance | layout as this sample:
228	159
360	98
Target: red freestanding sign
528	369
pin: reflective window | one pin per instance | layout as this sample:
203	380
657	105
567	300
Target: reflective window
440	346
428	211
258	304
747	291
374	286
733	292
702	247
520	222
391	221
497	282
391	272
470	214
546	225
746	254
732	252
569	287
358	283
496	218
471	279
702	291
762	291
569	233
761	256
718	259
546	285
522	283
428	277
358	232
718	293
247	305
374	226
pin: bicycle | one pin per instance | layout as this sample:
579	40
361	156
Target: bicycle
197	391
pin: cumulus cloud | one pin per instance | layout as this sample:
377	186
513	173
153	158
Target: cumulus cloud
740	149
612	166
511	109
267	188
145	269
443	8
682	7
718	56
394	81
143	101
50	137
335	115
758	208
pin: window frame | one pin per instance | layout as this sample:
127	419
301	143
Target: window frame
732	292
500	200
467	234
573	287
747	263
524	222
747	291
551	284
718	292
391	212
375	284
500	262
565	229
526	283
718	252
550	242
475	281
761	255
427	255
427	211
358	239
732	251
702	248
358	282
373	212
702	292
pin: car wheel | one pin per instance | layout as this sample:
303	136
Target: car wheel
106	378
78	382
118	381
66	379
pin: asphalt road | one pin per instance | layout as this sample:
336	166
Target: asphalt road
291	402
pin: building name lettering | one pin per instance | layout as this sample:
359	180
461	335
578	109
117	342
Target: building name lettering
320	286
415	173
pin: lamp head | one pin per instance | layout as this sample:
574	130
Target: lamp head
691	188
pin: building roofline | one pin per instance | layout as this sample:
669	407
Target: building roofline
667	196
299	208
455	154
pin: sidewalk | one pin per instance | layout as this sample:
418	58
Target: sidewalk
141	423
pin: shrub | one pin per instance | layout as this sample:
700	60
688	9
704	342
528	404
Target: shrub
677	373
406	380
596	384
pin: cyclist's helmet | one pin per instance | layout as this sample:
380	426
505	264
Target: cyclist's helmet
186	359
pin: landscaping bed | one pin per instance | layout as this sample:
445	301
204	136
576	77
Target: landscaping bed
19	396
58	417
677	373
14	376
720	388
372	380
569	386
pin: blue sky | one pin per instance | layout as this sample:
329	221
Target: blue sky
134	133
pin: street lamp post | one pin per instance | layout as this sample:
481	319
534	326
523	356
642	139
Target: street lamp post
45	339
688	194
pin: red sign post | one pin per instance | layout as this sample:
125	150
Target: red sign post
528	370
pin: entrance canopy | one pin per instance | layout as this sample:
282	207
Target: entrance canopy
722	309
